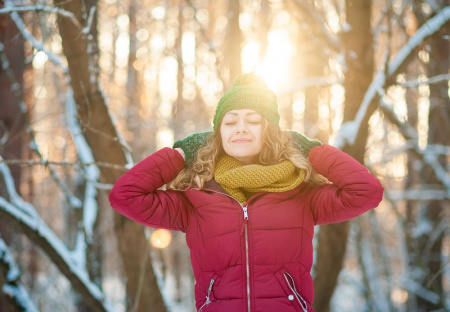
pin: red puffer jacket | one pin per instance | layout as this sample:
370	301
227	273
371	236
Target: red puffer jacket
252	257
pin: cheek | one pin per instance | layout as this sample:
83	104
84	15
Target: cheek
257	132
223	135
260	139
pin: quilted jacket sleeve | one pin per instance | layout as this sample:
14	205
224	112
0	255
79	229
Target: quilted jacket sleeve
136	195
354	190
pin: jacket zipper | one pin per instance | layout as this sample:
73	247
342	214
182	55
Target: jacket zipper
247	264
208	300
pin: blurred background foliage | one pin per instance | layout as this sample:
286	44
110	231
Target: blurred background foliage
90	87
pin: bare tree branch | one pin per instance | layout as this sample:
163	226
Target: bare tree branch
410	134
17	296
428	81
350	129
44	162
39	233
417	194
313	17
38	45
41	8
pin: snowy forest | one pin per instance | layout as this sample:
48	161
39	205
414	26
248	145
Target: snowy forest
88	88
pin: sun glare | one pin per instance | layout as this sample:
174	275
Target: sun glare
274	65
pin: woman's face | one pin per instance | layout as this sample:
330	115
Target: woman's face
241	133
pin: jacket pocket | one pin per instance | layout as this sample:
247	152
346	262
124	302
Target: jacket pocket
215	279
287	283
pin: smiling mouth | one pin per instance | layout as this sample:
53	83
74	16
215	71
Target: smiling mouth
241	141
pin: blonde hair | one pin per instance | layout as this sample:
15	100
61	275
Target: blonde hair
277	146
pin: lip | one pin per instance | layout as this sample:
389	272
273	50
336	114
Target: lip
241	140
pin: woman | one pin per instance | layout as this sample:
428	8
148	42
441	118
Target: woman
248	195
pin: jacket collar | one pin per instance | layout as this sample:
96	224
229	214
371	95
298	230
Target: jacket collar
213	186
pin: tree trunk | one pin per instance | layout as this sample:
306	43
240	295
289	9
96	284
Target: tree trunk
413	177
178	113
12	120
314	66
233	42
133	84
332	240
142	289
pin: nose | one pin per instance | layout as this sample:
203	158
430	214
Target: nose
241	127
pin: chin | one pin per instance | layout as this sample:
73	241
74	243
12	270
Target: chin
245	159
243	155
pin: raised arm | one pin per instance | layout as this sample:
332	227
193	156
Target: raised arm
136	195
354	190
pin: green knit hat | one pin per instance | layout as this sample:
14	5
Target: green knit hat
249	91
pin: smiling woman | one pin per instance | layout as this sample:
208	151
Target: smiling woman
241	134
248	196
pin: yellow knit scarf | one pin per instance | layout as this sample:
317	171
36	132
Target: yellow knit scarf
243	181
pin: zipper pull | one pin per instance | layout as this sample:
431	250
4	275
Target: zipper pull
245	219
208	301
245	214
210	285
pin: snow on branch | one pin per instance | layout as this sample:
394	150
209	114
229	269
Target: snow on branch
55	59
420	195
25	207
411	145
11	8
38	45
377	293
90	20
419	290
430	80
428	156
90	207
76	165
437	149
16	214
71	199
439	170
431	26
10	284
46	162
39	233
309	10
349	130
41	8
